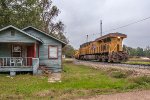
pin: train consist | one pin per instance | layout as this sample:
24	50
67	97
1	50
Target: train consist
107	48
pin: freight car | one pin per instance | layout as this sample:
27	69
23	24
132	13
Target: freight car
107	48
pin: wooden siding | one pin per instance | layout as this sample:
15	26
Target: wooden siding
55	64
5	36
5	50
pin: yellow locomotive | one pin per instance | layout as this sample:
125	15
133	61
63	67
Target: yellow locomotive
107	48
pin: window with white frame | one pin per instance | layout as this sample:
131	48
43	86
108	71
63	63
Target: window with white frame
16	51
52	52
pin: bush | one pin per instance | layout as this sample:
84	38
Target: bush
118	74
68	61
132	86
142	80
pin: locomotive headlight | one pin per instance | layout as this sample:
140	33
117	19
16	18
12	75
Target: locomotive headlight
118	37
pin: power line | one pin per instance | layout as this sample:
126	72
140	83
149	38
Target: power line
128	24
141	20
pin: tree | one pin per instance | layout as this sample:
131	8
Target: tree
147	51
69	51
38	13
20	13
131	51
139	52
49	12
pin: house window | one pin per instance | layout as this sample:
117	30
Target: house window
16	51
12	32
52	52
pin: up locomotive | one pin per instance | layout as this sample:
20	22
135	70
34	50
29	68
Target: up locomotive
107	48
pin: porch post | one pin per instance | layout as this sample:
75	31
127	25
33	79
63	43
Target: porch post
35	64
35	45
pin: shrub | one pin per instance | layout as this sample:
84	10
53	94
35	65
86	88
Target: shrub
142	80
68	61
118	74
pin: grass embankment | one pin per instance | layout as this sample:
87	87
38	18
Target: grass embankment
138	61
77	81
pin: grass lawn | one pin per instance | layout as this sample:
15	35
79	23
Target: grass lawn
77	81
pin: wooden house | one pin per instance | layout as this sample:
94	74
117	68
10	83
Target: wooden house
29	49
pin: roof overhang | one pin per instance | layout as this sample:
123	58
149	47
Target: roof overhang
10	26
45	34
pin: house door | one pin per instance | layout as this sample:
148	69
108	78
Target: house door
30	55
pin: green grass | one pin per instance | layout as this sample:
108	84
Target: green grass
138	62
77	81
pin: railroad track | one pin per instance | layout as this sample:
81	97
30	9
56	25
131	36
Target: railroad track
139	66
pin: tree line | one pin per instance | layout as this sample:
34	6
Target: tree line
140	52
69	51
38	13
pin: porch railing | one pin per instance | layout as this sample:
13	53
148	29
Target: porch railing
15	61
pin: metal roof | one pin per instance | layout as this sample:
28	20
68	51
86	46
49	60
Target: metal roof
111	35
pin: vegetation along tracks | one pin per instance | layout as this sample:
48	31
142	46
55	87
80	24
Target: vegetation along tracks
129	65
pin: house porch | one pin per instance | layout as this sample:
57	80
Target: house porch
17	57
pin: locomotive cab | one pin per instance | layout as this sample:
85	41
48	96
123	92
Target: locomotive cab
116	53
116	44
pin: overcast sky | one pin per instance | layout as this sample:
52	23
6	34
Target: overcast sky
82	17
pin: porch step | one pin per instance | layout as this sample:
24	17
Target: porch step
45	69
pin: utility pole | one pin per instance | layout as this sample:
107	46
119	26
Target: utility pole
101	31
87	36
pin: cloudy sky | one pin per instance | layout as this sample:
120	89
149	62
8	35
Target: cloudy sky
82	17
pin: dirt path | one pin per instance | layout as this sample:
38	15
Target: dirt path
137	95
